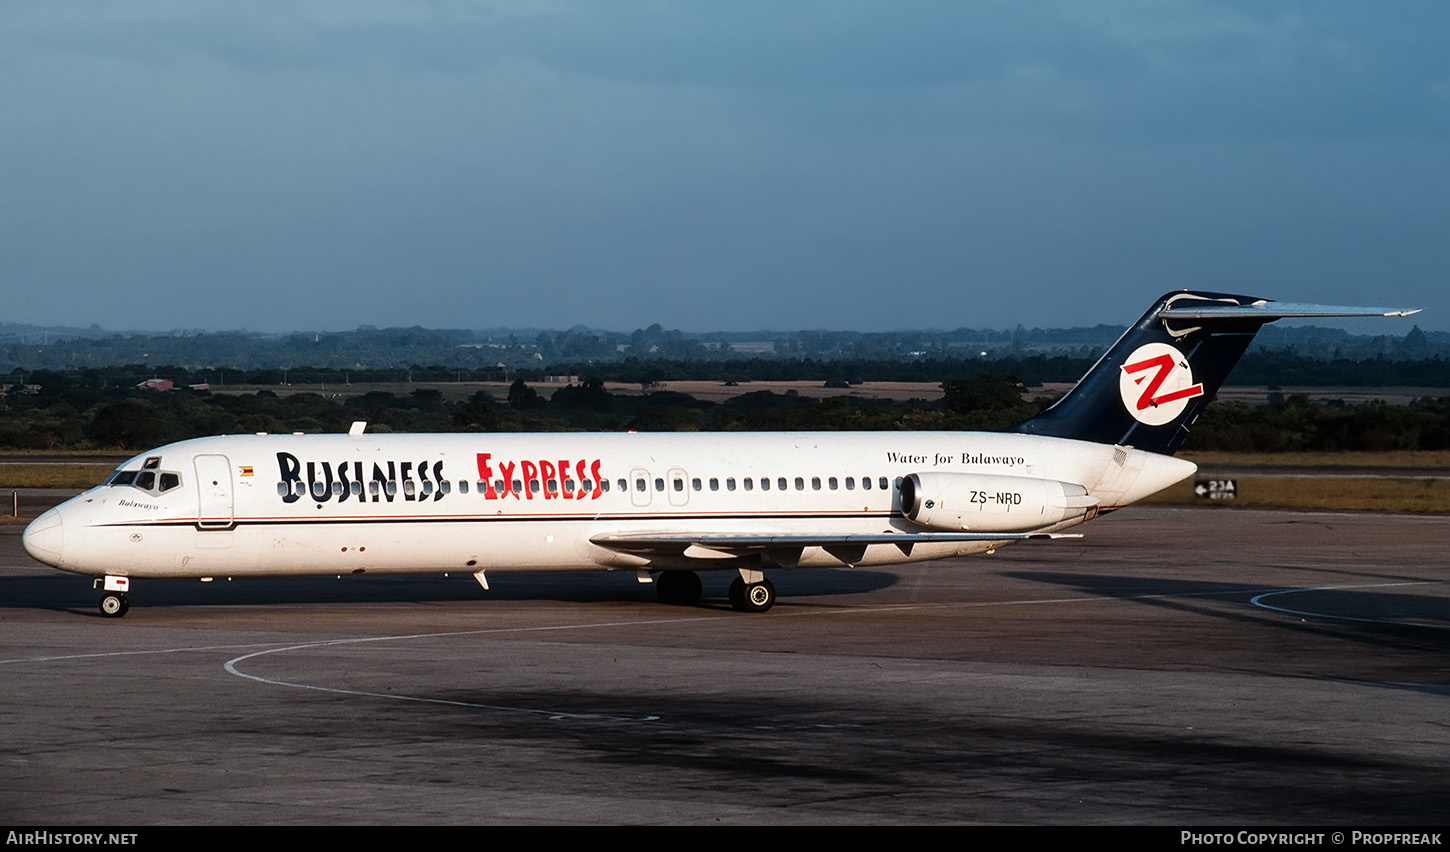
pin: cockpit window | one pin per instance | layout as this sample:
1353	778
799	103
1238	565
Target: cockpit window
149	479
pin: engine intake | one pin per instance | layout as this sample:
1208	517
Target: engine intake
991	503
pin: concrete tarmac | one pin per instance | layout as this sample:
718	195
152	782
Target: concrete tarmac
1175	666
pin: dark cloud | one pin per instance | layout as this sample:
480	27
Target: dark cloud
704	164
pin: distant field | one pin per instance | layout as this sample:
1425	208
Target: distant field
57	475
1388	494
1381	482
1426	459
713	391
708	391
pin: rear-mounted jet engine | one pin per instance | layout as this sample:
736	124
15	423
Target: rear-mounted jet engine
992	503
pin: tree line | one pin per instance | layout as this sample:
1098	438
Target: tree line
1261	367
102	409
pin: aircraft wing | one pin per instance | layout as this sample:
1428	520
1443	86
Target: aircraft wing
716	545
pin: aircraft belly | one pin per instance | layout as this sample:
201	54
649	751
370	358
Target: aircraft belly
411	547
890	554
261	549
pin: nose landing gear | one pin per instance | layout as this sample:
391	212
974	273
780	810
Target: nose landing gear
113	595
114	604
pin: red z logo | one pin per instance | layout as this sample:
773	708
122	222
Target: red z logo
1156	384
1164	365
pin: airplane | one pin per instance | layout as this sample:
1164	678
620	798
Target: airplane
664	506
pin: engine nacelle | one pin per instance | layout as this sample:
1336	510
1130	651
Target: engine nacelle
984	502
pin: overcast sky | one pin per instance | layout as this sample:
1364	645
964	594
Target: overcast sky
715	165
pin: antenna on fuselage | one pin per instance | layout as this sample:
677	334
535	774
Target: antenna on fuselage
358	427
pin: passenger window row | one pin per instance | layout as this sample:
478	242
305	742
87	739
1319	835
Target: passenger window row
642	484
375	488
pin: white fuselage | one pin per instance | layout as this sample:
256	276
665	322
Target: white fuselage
337	504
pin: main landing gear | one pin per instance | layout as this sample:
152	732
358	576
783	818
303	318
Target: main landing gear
756	595
750	592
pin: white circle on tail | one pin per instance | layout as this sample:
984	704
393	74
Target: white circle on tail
1156	384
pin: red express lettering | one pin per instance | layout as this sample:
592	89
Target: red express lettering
498	478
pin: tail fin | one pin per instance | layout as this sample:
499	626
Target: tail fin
1151	386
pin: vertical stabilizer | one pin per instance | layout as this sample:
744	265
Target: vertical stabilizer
1152	385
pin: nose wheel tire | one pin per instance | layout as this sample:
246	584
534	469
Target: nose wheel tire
114	605
752	597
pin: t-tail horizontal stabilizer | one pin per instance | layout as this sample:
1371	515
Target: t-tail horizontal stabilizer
1151	386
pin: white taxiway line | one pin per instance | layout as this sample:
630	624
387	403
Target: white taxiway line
232	665
786	613
1258	601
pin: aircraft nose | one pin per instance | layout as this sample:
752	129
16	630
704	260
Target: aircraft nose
42	539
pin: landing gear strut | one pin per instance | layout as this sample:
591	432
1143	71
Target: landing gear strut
678	587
